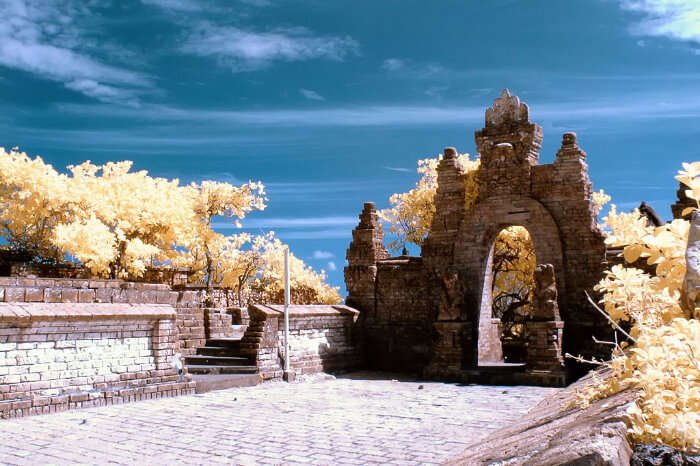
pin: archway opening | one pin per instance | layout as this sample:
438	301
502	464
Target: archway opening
507	299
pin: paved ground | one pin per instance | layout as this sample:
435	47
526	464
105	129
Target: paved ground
362	418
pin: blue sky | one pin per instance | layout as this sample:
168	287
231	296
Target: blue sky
331	103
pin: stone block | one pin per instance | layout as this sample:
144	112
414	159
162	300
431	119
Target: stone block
14	294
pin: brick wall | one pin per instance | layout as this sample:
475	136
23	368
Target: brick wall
56	356
320	338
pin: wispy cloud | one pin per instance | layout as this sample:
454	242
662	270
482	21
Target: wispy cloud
45	38
309	222
677	19
178	5
393	64
399	169
248	50
322	255
409	69
311	95
629	107
331	233
331	266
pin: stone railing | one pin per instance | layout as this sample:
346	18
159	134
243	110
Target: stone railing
320	338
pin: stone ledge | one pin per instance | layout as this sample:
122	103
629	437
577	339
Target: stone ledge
307	310
32	312
550	433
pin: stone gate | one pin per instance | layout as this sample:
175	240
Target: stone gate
433	313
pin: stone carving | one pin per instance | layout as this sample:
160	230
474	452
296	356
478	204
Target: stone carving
506	108
690	292
544	300
451	295
653	218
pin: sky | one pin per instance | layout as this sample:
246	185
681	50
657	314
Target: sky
330	104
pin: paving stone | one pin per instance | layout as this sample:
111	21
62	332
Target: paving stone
355	420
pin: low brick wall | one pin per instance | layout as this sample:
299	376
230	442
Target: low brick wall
320	339
186	300
56	356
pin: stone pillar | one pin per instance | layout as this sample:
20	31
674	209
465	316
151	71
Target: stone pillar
452	350
546	329
366	249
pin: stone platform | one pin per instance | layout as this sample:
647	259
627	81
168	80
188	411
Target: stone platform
362	418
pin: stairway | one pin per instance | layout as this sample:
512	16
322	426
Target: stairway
220	356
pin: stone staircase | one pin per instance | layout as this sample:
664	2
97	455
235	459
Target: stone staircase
219	364
220	356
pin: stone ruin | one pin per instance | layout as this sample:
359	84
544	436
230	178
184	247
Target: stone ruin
433	314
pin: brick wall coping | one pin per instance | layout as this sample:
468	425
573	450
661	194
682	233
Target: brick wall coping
77	283
307	310
31	312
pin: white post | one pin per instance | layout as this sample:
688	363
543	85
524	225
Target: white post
287	299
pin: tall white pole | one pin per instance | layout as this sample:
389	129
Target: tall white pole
287	299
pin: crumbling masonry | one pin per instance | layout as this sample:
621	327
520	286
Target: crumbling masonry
433	313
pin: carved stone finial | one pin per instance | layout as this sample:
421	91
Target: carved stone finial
569	150
450	153
505	108
569	139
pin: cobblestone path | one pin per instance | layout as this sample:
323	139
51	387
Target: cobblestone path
359	419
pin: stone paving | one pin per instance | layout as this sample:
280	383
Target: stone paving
360	418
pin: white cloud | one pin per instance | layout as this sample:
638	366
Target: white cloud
323	255
179	5
45	38
332	267
308	222
245	50
677	19
399	169
392	64
311	95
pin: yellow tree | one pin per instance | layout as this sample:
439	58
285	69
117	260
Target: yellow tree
307	285
125	220
660	356
34	199
211	199
411	213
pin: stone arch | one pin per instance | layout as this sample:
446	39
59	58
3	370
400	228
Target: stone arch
478	235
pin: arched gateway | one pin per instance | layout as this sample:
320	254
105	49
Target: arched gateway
433	313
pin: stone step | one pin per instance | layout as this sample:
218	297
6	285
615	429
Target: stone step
230	343
210	382
202	369
204	360
217	351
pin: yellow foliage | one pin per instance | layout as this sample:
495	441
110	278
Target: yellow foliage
412	212
513	274
662	364
117	222
34	198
